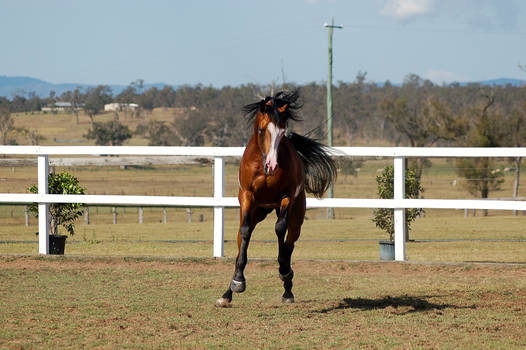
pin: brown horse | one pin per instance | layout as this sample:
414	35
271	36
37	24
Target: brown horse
275	171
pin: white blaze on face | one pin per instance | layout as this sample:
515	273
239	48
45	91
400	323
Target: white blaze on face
271	160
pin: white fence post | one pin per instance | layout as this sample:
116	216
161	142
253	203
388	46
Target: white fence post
399	214
219	187
26	214
43	208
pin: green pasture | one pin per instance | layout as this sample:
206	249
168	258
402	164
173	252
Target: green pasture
124	303
436	238
442	235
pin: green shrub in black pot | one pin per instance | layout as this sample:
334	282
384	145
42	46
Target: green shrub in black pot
61	214
384	217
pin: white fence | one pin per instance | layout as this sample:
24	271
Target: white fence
219	202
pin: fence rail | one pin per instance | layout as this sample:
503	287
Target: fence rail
219	202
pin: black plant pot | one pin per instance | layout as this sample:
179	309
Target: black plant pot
387	250
57	243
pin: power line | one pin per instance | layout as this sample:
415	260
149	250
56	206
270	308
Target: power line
431	30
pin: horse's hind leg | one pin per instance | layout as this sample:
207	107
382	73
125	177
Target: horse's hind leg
292	220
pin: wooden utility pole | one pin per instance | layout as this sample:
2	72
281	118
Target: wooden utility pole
330	26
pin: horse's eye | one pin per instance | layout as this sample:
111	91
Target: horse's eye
260	131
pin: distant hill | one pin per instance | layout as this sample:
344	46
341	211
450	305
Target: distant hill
12	86
503	82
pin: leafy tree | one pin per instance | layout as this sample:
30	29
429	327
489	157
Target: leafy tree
34	137
96	98
515	129
351	104
166	97
384	217
157	132
61	214
423	122
18	104
7	124
8	131
110	133
76	98
146	100
127	95
192	129
484	131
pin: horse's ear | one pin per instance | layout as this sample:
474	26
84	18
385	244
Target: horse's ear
283	108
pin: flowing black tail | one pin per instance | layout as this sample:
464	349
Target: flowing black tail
320	168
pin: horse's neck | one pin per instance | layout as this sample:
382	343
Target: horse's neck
252	151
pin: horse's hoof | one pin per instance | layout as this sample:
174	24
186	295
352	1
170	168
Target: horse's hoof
223	302
237	286
287	300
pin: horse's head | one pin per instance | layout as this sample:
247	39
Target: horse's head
271	117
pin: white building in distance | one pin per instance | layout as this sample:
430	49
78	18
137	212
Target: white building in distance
118	107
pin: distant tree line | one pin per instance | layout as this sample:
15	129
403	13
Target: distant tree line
415	113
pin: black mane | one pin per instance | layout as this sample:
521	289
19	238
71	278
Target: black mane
271	104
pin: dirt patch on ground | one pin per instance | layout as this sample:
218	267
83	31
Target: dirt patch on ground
101	302
209	264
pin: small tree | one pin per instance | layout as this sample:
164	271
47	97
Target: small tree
34	137
110	133
348	166
96	98
384	217
8	131
61	214
515	129
480	173
6	123
423	122
157	132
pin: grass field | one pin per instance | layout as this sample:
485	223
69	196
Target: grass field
352	236
108	303
466	239
154	285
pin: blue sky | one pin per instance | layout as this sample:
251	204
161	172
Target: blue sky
233	42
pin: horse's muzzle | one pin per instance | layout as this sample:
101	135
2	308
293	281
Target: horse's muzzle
270	167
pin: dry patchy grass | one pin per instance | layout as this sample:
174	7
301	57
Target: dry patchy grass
126	303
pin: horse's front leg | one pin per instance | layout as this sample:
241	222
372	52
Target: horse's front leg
238	284
248	221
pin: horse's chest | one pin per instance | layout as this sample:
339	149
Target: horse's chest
268	190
